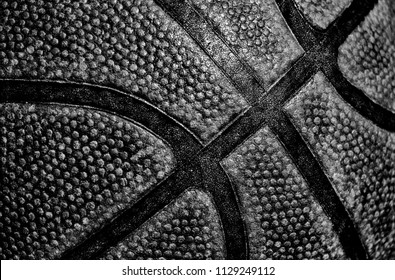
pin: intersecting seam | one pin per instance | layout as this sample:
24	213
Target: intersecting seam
321	54
321	49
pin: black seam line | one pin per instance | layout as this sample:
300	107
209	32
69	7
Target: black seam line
250	121
103	88
127	107
350	214
216	30
370	110
253	118
274	99
108	100
319	185
325	54
217	183
306	35
95	247
295	77
187	176
125	222
203	33
326	58
243	126
245	120
270	113
335	37
351	17
301	156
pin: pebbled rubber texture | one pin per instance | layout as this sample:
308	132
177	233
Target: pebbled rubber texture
134	47
283	220
257	32
187	229
358	157
192	129
67	171
322	13
367	57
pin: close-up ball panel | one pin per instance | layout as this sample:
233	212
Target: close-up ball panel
197	129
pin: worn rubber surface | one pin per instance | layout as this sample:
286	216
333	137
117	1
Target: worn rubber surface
197	129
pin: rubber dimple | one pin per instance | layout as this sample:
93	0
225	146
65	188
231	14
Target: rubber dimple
257	32
283	219
67	171
188	228
321	13
358	157
367	57
133	46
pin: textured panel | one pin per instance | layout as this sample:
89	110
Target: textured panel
66	171
367	58
130	45
188	228
283	219
322	12
258	33
358	157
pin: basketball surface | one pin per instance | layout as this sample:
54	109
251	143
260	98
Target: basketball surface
197	129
